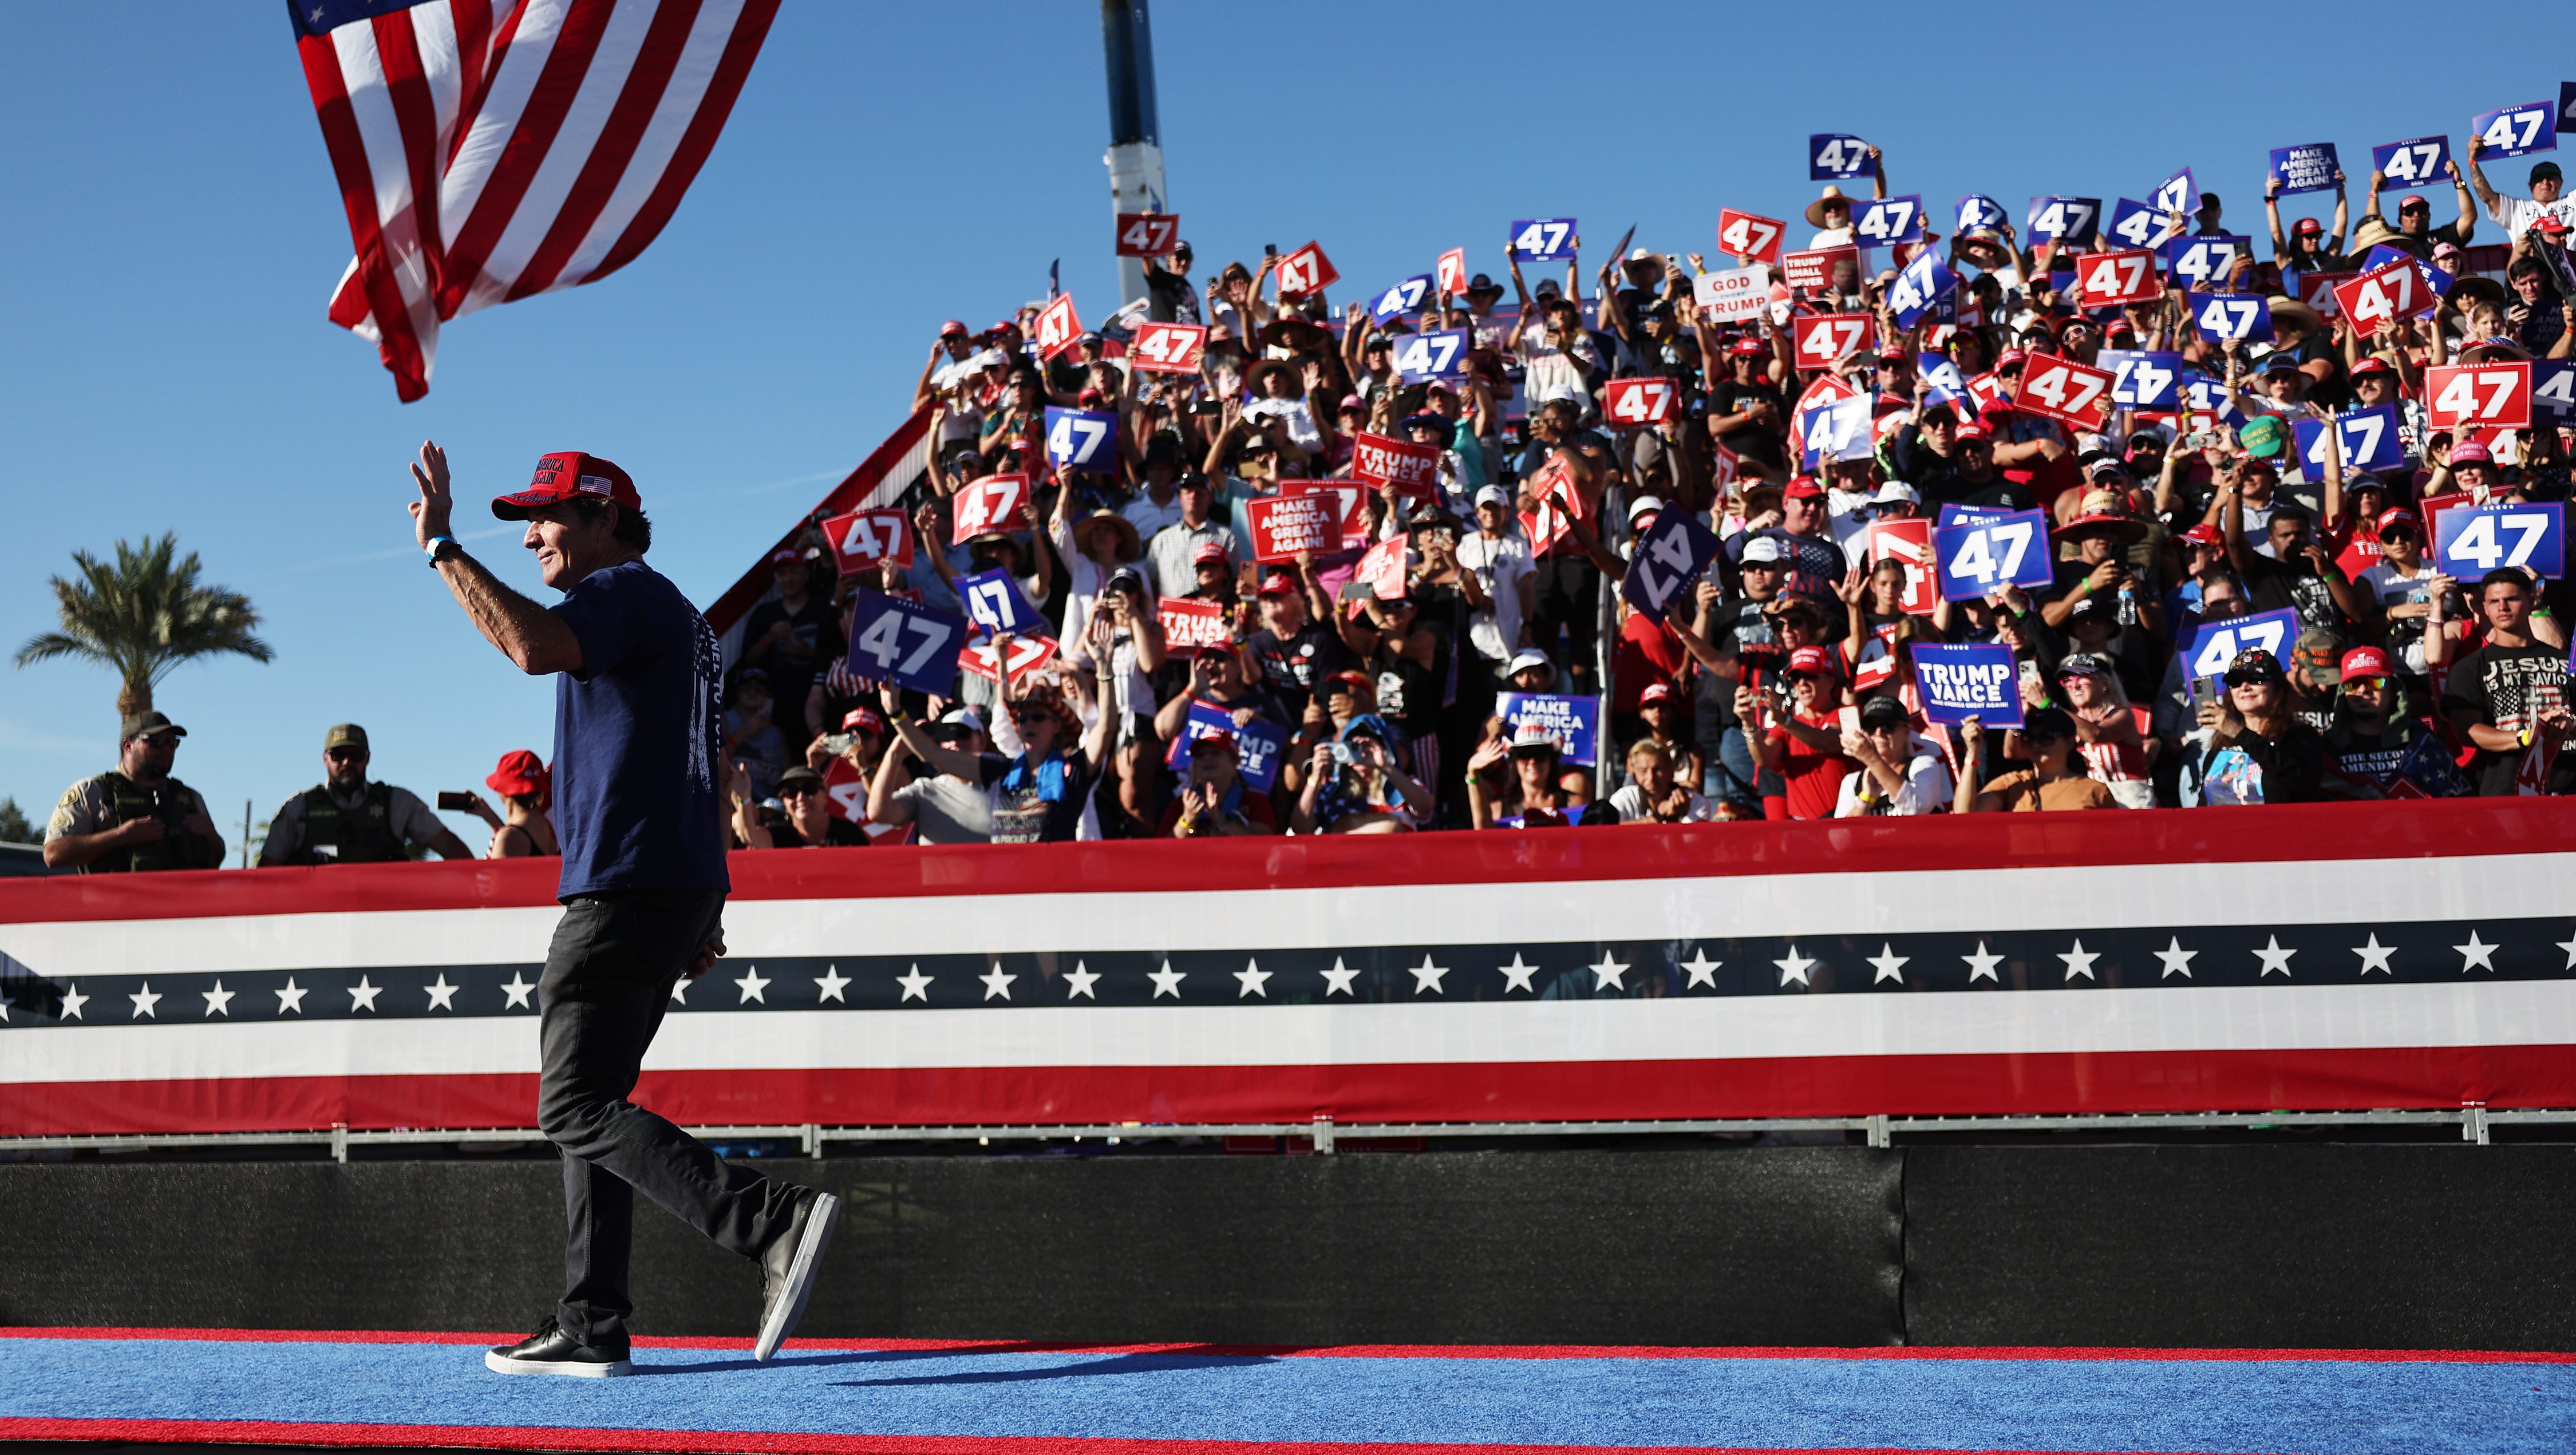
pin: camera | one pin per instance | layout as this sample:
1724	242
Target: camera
1342	754
838	743
456	802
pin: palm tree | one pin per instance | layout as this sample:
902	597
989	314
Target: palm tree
144	616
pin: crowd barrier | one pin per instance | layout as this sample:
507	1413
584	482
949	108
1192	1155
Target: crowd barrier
2331	957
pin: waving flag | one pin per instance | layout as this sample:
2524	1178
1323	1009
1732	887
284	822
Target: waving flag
491	149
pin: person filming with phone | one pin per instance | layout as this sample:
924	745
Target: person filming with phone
345	819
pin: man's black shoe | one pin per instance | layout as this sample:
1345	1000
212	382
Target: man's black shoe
552	1351
787	1269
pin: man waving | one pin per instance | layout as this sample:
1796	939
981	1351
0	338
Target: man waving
643	891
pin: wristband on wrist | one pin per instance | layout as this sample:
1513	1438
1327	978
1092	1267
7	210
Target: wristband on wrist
436	548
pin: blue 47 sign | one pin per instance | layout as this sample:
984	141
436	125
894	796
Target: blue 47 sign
1576	721
1984	556
2470	541
1440	354
2217	643
1969	680
1256	743
1543	239
1831	154
2142	378
1893	220
2516	130
2370	441
1668	559
1405	297
2415	163
1081	439
2136	224
2198	262
893	640
1921	285
994	600
2553	390
2224	316
2067	219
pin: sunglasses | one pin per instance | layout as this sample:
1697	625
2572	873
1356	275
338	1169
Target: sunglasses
346	755
800	790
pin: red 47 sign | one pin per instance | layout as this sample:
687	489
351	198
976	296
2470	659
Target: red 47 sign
1746	235
1636	403
2382	296
987	505
2496	396
864	538
1146	234
2063	389
1822	339
1305	271
1350	498
1168	348
1027	655
1909	543
1058	326
1451	275
2106	280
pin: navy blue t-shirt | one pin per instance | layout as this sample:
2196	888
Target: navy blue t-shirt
637	739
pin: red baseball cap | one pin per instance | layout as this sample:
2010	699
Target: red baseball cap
2203	534
2308	225
1208	551
2395	515
2372	365
1655	692
1806	488
2470	452
2364	662
785	554
1974	429
953	328
1815	659
2008	358
1278	583
568	475
864	716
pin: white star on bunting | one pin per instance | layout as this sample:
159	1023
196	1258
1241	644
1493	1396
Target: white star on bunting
1889	964
442	996
1167	981
2275	958
1795	967
2374	956
1079	980
2177	960
2079	961
1701	969
2569	945
996	982
1426	976
916	986
1337	981
1253	979
2476	953
73	1000
517	990
219	1001
1609	974
1516	975
144	1000
751	984
1981	966
680	991
830	984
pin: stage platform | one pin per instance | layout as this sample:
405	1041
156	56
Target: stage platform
996	1398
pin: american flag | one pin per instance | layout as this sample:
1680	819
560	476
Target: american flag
491	149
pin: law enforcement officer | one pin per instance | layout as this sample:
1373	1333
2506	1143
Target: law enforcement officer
137	817
347	820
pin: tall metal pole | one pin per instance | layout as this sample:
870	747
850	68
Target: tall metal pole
1135	139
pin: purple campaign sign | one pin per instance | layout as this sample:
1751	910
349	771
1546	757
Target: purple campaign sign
1832	156
1979	210
2470	541
1576	721
2067	219
994	600
1965	681
2416	162
902	641
2177	193
1543	239
2518	130
2135	224
1968	514
1668	559
1978	557
1402	299
2217	642
1257	743
1923	283
2370	441
2309	167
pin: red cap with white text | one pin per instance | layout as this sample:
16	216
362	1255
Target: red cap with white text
568	475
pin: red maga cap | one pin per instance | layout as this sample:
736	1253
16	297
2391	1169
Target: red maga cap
1815	659
568	475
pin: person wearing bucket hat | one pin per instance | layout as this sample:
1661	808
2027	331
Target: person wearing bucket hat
135	817
347	820
522	829
637	780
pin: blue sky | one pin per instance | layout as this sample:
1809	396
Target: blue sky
172	235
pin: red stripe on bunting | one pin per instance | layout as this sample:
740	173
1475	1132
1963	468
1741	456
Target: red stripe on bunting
741	49
2323	833
2055	1083
664	42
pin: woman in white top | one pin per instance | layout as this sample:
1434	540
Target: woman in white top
1653	794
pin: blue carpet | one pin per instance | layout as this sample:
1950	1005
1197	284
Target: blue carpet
2144	1403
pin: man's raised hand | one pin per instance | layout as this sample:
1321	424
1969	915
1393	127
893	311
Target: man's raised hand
430	512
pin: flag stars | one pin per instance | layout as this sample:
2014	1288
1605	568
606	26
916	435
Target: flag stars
2176	959
442	996
219	1001
1426	976
362	996
144	1001
997	982
1337	981
916	986
1701	969
1079	980
517	990
1167	981
2477	954
73	1000
1981	966
2079	961
2374	956
753	986
2275	959
1253	979
1516	975
2569	945
1889	964
830	984
1609	974
1796	967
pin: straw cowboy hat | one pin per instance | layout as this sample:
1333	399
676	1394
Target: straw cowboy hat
1816	209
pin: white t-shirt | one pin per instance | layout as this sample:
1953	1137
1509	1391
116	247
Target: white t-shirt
1500	564
2516	214
1928	788
1631	803
1553	372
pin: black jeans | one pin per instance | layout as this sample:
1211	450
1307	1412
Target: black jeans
607	980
